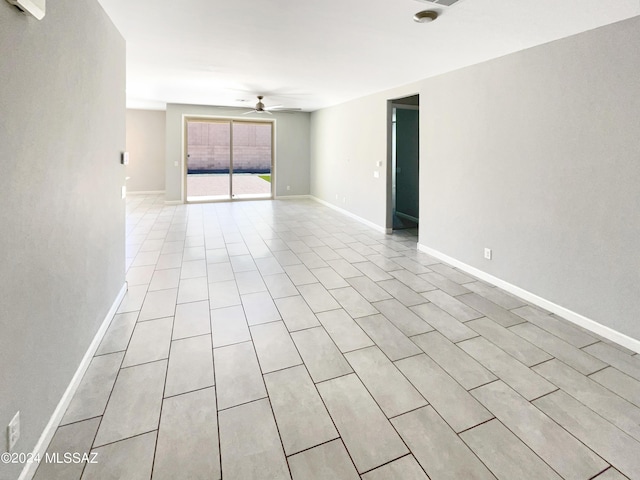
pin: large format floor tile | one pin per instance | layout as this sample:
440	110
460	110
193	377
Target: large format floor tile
391	341
282	339
406	468
368	435
406	320
131	458
618	411
452	402
238	376
75	438
320	354
150	342
92	395
190	365
344	331
505	454
457	363
229	326
601	436
188	437
274	347
390	389
329	461
550	441
522	379
450	327
134	406
118	334
301	416
441	453
296	313
249	443
192	319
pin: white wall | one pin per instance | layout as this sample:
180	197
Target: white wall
537	155
62	128
291	147
146	147
347	142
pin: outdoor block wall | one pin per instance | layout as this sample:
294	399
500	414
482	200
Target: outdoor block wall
209	147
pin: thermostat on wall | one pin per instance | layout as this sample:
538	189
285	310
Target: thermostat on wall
33	7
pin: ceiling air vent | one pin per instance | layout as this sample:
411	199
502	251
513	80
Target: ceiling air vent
444	3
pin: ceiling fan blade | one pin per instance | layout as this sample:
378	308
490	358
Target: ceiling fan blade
250	111
284	109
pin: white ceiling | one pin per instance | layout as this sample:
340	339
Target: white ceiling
312	54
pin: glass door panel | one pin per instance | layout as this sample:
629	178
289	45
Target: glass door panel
252	159
208	160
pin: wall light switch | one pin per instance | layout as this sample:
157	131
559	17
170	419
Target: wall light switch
124	192
124	158
379	163
488	253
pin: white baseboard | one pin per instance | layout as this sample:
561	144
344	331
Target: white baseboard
173	202
352	215
43	442
150	192
570	315
291	197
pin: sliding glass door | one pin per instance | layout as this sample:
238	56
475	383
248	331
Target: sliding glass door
252	159
228	159
208	160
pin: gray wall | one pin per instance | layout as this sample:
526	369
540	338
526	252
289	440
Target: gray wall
146	146
347	142
62	129
537	155
292	147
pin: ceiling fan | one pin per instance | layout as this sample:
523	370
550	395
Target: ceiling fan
260	108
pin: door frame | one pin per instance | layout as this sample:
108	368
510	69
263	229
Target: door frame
223	119
391	105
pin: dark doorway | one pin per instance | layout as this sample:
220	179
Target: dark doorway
405	162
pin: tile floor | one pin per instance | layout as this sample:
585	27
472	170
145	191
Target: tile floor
280	339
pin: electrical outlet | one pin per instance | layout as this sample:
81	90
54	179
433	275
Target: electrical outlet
13	432
288	187
175	164
487	253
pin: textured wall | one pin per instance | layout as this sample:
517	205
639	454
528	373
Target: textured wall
62	128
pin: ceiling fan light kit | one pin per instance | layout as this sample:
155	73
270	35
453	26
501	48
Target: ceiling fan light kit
260	108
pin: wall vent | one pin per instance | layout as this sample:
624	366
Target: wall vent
444	3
